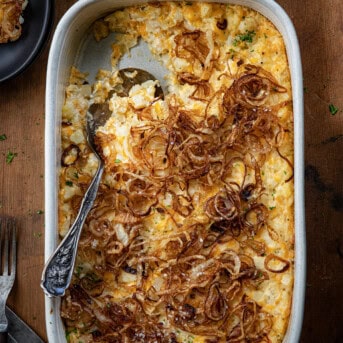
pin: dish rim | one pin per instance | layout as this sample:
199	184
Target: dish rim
277	15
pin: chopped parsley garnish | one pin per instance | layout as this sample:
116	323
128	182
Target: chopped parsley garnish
333	109
232	53
117	160
3	137
69	183
78	270
246	37
272	208
305	90
40	212
76	175
10	157
68	333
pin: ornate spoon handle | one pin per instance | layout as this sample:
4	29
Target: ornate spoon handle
59	268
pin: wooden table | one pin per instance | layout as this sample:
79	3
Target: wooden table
319	25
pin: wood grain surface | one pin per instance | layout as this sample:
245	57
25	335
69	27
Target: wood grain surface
319	25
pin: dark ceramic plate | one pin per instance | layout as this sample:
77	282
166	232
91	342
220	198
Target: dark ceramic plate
16	56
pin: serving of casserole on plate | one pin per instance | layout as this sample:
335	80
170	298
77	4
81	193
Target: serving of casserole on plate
11	19
24	28
197	228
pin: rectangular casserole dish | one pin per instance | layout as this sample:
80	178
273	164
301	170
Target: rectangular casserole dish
71	40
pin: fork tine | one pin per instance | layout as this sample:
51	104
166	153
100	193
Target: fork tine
6	234
14	248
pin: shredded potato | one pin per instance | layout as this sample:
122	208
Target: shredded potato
190	238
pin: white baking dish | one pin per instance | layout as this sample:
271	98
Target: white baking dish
71	38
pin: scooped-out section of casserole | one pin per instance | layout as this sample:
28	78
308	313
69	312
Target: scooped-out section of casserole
191	237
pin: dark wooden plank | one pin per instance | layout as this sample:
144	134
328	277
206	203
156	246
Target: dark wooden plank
22	182
319	25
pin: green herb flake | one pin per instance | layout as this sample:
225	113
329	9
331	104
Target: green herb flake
232	51
76	175
333	109
78	270
10	157
68	333
3	137
246	37
69	183
305	90
188	3
37	235
39	212
272	208
117	160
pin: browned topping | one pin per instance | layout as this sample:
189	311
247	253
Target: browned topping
70	155
222	24
189	279
272	259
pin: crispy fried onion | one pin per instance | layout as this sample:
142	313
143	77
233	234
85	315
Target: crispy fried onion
203	89
192	280
223	206
276	264
192	45
199	292
253	87
193	146
70	155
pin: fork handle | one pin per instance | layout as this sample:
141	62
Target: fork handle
3	337
59	268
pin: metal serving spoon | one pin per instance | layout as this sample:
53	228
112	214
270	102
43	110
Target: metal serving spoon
59	268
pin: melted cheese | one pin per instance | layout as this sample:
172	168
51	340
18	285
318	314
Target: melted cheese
249	38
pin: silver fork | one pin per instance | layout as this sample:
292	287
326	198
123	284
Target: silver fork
8	260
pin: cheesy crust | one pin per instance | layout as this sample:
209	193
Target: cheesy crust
191	238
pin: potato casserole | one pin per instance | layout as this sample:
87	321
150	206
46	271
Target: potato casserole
191	237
